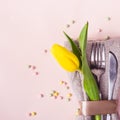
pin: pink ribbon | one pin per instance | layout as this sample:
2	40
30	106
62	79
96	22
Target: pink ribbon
98	107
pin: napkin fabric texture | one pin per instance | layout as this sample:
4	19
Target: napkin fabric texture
111	45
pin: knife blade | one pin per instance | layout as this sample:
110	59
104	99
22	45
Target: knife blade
112	76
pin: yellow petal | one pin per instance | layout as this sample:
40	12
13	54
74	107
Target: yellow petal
65	58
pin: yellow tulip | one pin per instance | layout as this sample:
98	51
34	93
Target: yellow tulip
65	58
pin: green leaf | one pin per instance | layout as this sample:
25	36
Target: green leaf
75	49
83	38
89	82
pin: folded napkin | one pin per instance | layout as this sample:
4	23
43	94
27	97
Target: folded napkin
112	45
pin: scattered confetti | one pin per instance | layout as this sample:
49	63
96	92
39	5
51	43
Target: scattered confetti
69	99
107	38
77	113
73	21
100	30
65	83
32	114
109	18
54	94
45	51
29	66
37	73
51	94
61	82
67	25
69	95
61	97
54	91
33	67
42	95
68	87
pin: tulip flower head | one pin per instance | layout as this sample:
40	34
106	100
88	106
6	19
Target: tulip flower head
65	58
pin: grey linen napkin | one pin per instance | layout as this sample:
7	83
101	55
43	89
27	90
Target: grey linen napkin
112	45
76	84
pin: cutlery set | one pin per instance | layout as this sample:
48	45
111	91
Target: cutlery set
98	65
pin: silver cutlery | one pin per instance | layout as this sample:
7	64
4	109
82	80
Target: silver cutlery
112	76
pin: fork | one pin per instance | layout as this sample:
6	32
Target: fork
97	59
97	62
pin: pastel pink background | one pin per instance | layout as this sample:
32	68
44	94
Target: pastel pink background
27	29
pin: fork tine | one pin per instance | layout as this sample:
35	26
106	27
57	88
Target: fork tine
97	59
97	55
100	55
92	57
103	56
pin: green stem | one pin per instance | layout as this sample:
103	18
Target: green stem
89	83
97	117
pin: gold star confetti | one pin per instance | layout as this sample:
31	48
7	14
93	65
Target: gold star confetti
61	82
69	95
77	113
32	113
54	94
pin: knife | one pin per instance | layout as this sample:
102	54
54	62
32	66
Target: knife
112	76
